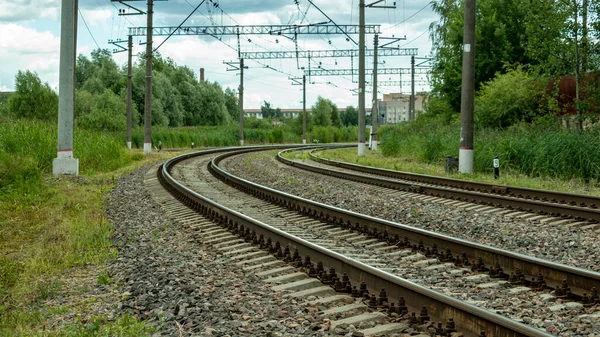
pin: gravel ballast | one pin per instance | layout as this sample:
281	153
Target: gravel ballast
184	288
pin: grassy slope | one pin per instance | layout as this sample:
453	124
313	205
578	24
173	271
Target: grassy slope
54	239
60	234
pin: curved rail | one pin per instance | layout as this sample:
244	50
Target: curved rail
469	318
579	280
520	198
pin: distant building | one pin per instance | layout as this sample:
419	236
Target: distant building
393	108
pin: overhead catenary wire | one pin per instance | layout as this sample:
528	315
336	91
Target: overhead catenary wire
408	18
181	24
88	28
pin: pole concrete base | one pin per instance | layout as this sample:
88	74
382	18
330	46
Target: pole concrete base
147	148
303	141
361	149
129	145
465	161
241	142
374	145
65	164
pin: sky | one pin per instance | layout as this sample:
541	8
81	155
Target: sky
30	39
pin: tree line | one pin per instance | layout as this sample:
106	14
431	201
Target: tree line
101	89
178	98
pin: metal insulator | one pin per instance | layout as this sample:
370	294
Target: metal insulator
402	308
355	292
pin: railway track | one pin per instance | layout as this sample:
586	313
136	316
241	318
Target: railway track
519	268
347	251
565	206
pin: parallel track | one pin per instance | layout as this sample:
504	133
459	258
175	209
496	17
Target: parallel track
469	318
555	275
579	207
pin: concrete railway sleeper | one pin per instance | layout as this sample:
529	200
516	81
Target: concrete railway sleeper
468	318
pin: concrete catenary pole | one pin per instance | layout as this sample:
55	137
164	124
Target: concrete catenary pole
241	102
374	109
65	163
411	103
361	80
148	98
201	75
467	101
129	88
303	109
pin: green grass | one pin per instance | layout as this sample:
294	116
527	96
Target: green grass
54	227
535	156
213	136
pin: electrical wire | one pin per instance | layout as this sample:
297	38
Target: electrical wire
410	17
181	24
88	28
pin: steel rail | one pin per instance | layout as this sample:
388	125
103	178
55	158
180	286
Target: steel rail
583	201
579	280
451	192
469	318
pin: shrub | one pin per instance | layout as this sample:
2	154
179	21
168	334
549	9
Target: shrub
33	99
508	99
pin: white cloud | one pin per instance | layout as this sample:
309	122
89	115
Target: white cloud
23	48
97	17
18	10
257	18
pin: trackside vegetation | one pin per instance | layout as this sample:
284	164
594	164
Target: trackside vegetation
54	239
539	149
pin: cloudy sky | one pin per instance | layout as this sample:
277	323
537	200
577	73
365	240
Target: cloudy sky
30	39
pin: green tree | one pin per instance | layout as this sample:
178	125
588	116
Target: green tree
508	99
231	102
213	110
350	116
321	112
335	115
32	99
101	112
499	34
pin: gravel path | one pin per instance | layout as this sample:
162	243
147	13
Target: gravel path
184	288
576	247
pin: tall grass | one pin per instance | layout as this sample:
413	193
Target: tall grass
225	135
533	149
27	148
